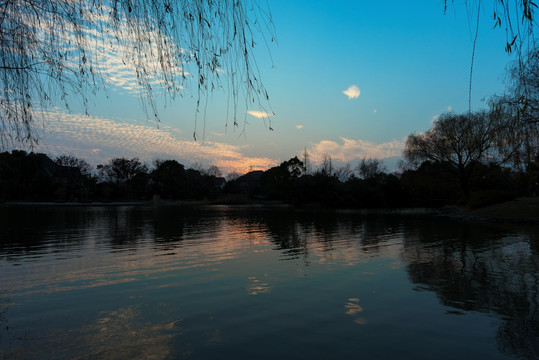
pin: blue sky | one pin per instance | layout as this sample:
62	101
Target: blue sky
406	63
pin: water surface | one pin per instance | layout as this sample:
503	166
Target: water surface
255	283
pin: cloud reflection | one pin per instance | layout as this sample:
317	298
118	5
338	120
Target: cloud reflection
257	287
123	334
353	309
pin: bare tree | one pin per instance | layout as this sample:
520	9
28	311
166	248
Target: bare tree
343	173
121	170
306	162
370	168
519	106
326	168
50	50
214	170
461	142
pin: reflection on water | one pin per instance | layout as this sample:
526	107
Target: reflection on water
160	283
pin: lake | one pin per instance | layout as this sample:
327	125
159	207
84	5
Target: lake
264	283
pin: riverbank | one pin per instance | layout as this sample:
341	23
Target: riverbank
525	210
518	210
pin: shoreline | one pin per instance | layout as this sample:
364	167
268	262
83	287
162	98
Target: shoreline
520	210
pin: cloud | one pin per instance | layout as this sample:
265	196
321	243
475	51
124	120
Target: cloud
299	127
374	111
350	150
258	114
98	139
114	59
352	92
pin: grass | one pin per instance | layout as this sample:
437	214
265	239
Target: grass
519	209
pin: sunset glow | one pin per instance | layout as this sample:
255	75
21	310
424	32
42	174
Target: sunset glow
352	86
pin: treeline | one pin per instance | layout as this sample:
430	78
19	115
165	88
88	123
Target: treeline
369	185
476	158
36	177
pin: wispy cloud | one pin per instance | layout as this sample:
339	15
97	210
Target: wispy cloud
352	92
299	127
258	114
98	139
350	150
113	58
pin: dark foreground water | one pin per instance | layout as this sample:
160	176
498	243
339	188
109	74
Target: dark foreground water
228	283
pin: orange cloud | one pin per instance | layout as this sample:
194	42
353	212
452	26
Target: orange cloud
98	139
350	149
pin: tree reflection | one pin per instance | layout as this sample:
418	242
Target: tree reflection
481	268
36	231
472	267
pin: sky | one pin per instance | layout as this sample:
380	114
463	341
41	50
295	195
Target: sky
348	79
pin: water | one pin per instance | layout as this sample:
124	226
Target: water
255	283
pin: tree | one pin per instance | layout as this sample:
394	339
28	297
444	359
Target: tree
460	142
121	170
280	181
68	160
326	168
214	170
306	162
520	104
231	176
343	173
51	49
370	168
169	179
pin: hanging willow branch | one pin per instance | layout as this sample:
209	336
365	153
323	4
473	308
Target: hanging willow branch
51	50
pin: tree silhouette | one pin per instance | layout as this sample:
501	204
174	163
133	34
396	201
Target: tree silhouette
521	104
69	160
51	50
460	142
370	168
121	170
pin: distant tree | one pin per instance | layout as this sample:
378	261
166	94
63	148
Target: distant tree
460	142
306	162
344	172
121	170
198	166
370	168
231	176
280	181
169	179
326	168
214	170
52	49
68	160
